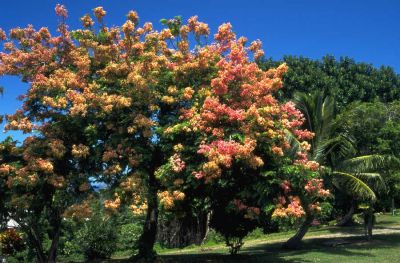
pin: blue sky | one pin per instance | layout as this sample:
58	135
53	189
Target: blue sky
366	30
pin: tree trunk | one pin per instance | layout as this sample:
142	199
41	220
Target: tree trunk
393	208
368	223
348	218
54	244
148	237
181	231
37	244
207	228
294	241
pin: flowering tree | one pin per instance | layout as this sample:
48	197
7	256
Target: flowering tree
151	113
51	176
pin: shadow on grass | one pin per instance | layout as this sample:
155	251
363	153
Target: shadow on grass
326	248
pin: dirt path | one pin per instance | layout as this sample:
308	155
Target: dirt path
376	231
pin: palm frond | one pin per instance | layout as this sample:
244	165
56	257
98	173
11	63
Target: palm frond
295	145
369	163
352	184
374	180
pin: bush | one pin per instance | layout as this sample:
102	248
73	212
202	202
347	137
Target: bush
326	212
11	242
128	236
214	237
233	226
97	238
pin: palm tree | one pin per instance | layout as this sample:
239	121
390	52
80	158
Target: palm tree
357	176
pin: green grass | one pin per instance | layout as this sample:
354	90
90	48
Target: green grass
315	248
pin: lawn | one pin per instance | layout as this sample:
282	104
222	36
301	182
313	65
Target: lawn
322	244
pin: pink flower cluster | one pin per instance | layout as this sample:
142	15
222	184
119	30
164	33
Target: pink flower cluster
316	186
225	151
286	186
177	164
294	116
61	11
214	111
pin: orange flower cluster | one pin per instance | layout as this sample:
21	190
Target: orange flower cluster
293	209
81	210
138	207
167	199
113	205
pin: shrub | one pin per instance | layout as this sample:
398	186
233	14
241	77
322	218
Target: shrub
128	236
97	238
11	242
233	226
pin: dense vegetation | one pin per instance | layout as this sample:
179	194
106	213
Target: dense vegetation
191	140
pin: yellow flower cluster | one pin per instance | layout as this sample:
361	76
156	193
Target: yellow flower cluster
167	198
82	210
113	205
80	151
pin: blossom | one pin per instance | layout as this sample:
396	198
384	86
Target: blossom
57	148
293	209
188	93
81	210
167	199
99	12
5	169
44	165
178	195
80	151
87	21
286	186
3	35
255	45
225	33
128	27
57	181
199	175
61	11
113	205
133	16
277	150
177	164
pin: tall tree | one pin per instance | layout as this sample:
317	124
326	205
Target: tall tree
344	79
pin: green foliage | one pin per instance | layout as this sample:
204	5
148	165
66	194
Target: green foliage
326	211
128	236
345	79
97	238
214	237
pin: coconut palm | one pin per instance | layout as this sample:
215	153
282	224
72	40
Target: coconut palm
356	176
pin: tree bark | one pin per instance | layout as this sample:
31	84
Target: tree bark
148	237
393	207
347	219
207	228
368	223
37	244
295	241
54	244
